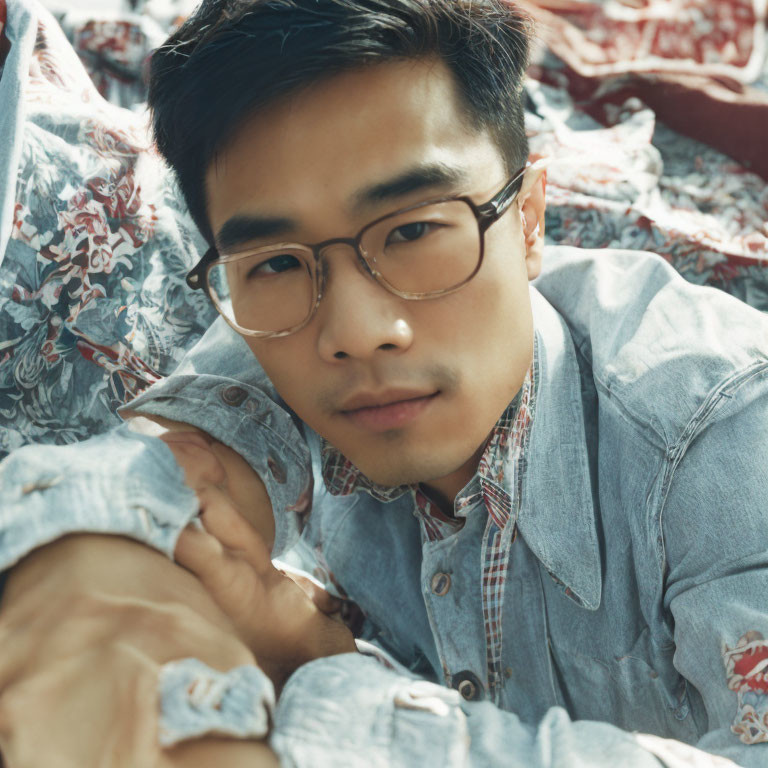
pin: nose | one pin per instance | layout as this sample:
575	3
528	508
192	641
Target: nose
358	318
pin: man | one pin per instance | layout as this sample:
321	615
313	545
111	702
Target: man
528	491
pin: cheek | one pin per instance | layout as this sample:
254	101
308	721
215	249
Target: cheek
489	321
490	331
288	364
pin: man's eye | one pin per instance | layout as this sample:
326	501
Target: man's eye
407	233
274	266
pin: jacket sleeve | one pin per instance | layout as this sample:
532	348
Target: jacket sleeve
715	533
119	482
220	388
333	710
130	484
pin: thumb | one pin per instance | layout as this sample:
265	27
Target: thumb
228	578
199	552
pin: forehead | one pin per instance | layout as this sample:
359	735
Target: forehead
315	149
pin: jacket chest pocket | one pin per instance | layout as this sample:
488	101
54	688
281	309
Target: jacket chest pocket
637	691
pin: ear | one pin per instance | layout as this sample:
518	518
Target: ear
532	204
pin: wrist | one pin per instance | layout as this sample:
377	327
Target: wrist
113	572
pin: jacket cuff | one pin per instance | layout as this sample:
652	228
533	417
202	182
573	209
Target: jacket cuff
196	700
120	483
325	716
246	419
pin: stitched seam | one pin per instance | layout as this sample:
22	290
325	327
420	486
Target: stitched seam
697	423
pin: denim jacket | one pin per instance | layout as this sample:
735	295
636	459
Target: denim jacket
632	614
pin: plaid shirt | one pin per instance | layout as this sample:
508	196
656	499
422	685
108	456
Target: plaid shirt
496	484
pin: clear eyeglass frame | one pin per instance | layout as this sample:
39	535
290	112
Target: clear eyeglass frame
485	215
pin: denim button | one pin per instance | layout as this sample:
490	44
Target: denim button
441	583
234	396
468	685
277	470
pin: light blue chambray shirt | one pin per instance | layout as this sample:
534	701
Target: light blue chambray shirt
634	605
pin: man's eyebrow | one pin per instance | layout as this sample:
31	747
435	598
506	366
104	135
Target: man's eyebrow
243	228
422	177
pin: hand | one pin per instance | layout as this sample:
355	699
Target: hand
331	606
85	625
271	613
211	466
215	471
344	611
230	556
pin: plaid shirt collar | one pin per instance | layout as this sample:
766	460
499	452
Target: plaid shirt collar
342	477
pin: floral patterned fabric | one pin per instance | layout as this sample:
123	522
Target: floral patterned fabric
606	93
93	307
115	43
699	65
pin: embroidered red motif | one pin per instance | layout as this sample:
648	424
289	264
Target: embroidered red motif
746	667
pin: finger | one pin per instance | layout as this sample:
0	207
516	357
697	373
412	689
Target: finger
221	548
193	454
227	576
220	519
247	491
199	552
320	596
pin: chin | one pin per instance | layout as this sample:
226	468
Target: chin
387	468
408	470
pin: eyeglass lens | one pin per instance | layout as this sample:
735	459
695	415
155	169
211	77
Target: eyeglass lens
426	250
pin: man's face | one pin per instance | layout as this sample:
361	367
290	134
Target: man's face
407	390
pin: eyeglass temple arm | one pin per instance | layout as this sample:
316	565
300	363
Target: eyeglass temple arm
196	276
499	203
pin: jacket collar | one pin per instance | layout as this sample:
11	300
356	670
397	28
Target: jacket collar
557	510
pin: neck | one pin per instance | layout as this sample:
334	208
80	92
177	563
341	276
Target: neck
444	490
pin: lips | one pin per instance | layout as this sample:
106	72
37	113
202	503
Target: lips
387	410
383	398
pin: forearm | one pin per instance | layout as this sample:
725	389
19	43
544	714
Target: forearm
111	567
86	625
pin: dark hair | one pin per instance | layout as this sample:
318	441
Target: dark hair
232	57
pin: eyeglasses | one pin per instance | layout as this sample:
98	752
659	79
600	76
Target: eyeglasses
421	252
